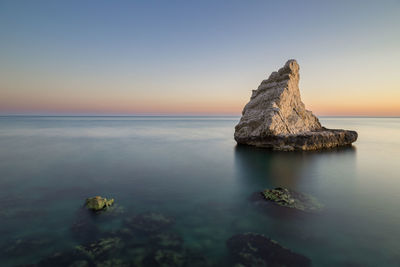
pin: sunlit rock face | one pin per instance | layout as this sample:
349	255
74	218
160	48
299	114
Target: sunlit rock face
276	118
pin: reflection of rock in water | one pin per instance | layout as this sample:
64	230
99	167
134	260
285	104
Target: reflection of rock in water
278	169
306	172
84	228
257	250
271	168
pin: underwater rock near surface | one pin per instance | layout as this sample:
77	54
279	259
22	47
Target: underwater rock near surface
287	198
98	203
292	199
251	249
143	240
102	248
276	118
116	252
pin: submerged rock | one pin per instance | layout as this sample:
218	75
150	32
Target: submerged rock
167	240
102	248
276	117
165	257
71	258
292	199
98	203
113	263
99	253
150	222
257	250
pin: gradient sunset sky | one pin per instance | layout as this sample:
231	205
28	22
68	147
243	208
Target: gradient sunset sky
195	57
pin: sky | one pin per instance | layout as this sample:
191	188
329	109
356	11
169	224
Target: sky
196	57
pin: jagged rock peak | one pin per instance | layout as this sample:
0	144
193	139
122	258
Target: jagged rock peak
275	110
290	70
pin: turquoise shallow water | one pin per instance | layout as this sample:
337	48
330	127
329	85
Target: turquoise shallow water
190	169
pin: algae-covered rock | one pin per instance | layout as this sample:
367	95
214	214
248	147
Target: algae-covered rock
150	222
292	199
251	249
98	203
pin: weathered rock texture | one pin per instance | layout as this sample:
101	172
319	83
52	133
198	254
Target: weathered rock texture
98	203
276	117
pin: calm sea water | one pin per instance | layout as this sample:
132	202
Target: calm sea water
190	169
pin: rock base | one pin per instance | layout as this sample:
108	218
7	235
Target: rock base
315	140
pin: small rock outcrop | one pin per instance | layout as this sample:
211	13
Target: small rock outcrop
276	117
98	203
292	199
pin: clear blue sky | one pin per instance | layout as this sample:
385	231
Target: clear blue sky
195	57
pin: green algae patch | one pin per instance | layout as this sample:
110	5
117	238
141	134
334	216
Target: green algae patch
292	199
98	203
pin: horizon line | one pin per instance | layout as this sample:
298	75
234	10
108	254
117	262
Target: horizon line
178	115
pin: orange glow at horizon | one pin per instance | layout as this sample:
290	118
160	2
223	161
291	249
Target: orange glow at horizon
211	96
98	105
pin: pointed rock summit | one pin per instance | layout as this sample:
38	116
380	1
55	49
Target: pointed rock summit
276	118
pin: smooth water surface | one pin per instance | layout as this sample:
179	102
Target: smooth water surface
190	169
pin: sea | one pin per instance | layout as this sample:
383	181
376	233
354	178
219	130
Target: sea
188	175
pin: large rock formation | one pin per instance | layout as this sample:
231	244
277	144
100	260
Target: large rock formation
276	118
